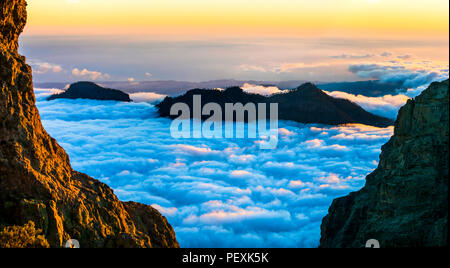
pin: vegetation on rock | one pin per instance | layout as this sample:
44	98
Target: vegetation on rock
26	236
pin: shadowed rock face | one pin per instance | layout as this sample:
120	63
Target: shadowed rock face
89	90
405	200
37	182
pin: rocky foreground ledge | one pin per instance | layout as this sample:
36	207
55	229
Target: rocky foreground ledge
37	182
405	200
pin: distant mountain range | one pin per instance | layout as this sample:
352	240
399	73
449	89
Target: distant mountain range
173	88
367	88
89	90
305	104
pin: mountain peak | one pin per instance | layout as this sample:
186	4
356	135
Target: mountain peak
90	90
308	87
234	90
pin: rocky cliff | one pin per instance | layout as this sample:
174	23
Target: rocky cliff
37	182
405	200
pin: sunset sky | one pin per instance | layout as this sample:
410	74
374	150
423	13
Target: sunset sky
229	192
398	17
68	40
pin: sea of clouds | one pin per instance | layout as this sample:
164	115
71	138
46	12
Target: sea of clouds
216	192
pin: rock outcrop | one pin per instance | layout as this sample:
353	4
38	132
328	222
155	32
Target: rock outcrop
305	104
405	200
37	182
92	91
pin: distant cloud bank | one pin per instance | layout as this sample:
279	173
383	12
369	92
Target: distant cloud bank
40	67
150	97
92	75
262	90
409	75
386	106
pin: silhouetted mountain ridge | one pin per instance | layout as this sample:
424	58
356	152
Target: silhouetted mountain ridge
305	104
89	90
374	88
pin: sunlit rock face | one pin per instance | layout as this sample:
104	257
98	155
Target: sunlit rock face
405	200
37	182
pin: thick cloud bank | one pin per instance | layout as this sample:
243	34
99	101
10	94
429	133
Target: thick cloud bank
220	192
410	75
387	105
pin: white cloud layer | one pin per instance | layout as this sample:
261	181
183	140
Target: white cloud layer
387	105
262	90
408	74
216	192
150	97
40	67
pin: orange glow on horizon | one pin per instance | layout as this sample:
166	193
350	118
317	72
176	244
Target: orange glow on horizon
232	17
